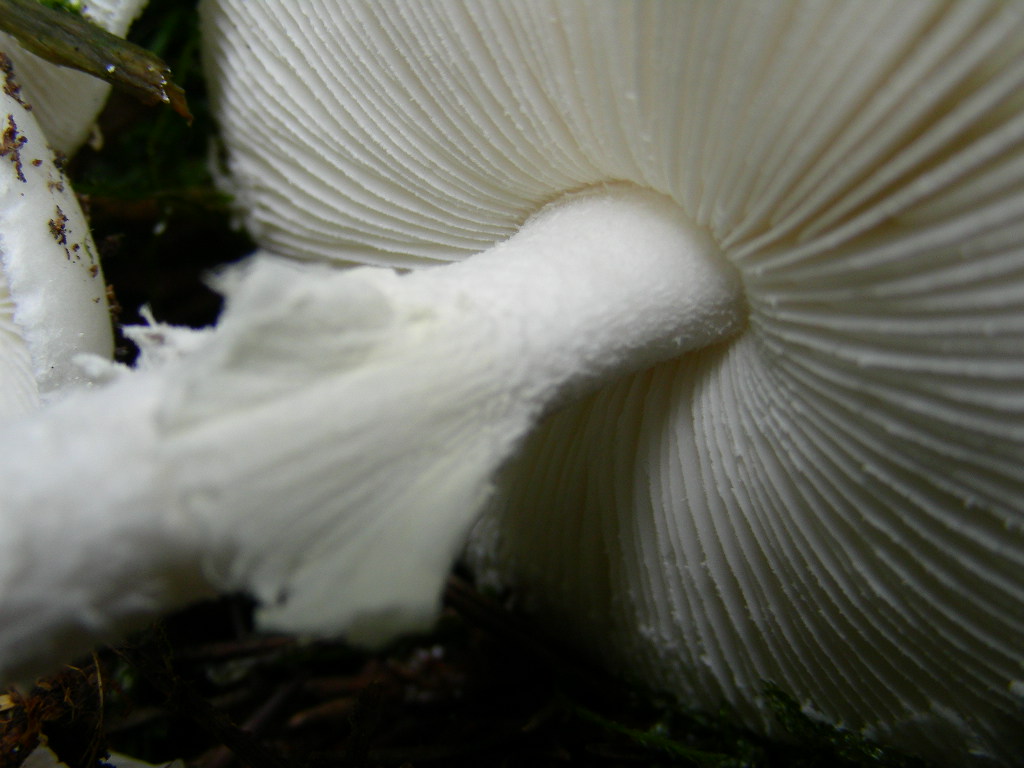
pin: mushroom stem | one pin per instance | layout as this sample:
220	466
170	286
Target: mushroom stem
53	302
599	284
327	447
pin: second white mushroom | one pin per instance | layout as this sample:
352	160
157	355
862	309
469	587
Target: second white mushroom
53	303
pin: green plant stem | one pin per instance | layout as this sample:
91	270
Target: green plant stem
71	41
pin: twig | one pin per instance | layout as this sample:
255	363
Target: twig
183	700
258	721
71	41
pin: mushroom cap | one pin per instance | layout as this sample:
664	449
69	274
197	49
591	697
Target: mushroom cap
832	500
67	102
53	303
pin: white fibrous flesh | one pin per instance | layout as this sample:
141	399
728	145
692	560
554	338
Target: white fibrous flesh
328	445
52	295
831	500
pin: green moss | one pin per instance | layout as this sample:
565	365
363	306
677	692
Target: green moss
151	153
822	744
71	6
655	738
719	740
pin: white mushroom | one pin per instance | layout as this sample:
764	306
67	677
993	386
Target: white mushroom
822	202
52	296
833	499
